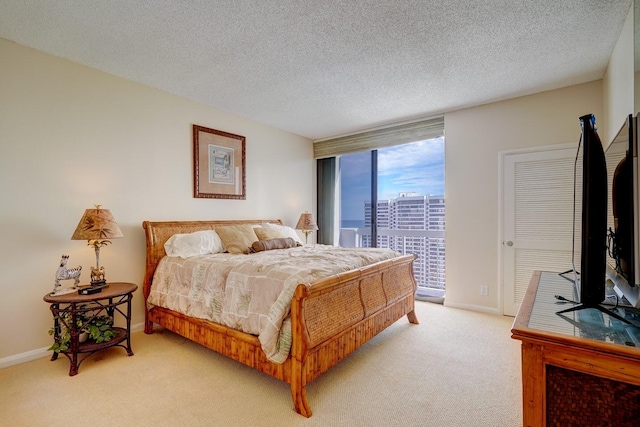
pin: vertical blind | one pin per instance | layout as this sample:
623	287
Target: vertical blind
380	138
327	206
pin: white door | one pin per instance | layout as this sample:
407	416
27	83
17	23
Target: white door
537	217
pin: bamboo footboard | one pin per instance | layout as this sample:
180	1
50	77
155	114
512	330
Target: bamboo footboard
329	319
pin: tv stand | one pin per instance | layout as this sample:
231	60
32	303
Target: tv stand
578	368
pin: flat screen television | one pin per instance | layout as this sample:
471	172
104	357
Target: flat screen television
590	285
594	216
623	241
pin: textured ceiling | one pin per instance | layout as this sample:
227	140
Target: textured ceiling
325	68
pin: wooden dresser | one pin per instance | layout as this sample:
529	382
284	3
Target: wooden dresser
580	368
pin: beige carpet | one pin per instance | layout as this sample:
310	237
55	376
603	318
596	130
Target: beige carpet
457	368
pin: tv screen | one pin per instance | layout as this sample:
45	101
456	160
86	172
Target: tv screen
623	243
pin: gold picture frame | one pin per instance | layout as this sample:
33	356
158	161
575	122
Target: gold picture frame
218	164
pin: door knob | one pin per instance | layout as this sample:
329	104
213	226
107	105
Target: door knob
509	243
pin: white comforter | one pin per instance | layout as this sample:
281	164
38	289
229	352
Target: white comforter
252	293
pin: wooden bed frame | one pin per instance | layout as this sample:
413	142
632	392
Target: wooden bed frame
329	320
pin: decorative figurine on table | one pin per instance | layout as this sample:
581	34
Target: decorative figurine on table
64	273
97	276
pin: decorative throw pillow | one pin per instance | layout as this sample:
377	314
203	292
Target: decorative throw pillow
237	238
193	244
270	244
284	230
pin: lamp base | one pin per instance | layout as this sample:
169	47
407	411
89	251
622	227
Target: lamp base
97	276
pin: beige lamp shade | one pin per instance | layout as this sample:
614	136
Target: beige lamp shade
97	224
306	222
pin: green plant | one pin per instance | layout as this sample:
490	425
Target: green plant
98	327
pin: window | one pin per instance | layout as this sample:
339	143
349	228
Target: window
405	183
387	185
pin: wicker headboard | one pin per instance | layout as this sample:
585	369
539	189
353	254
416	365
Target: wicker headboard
157	233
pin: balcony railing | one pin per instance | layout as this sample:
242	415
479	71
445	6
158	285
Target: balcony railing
428	270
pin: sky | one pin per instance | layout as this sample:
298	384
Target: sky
417	167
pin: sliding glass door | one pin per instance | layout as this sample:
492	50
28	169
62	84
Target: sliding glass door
355	193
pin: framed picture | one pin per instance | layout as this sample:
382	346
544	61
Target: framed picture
218	164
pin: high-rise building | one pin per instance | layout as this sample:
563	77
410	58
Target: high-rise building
412	224
383	213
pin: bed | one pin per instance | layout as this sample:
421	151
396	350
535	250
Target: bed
330	317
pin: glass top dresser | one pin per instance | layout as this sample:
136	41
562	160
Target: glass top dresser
578	367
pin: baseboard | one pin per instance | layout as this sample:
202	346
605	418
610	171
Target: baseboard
435	300
28	356
471	307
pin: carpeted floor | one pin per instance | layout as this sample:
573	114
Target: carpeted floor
457	368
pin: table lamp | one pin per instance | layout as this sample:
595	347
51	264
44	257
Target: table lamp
97	226
307	225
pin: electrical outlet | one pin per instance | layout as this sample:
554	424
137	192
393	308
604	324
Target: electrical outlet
484	290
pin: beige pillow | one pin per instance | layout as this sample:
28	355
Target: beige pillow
268	233
237	238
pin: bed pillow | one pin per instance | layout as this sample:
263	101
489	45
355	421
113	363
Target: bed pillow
271	244
268	233
194	244
237	238
284	231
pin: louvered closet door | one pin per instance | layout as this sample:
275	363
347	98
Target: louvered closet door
537	215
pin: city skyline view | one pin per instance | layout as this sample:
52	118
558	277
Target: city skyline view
410	168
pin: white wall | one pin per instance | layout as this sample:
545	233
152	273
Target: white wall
71	137
618	83
474	137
